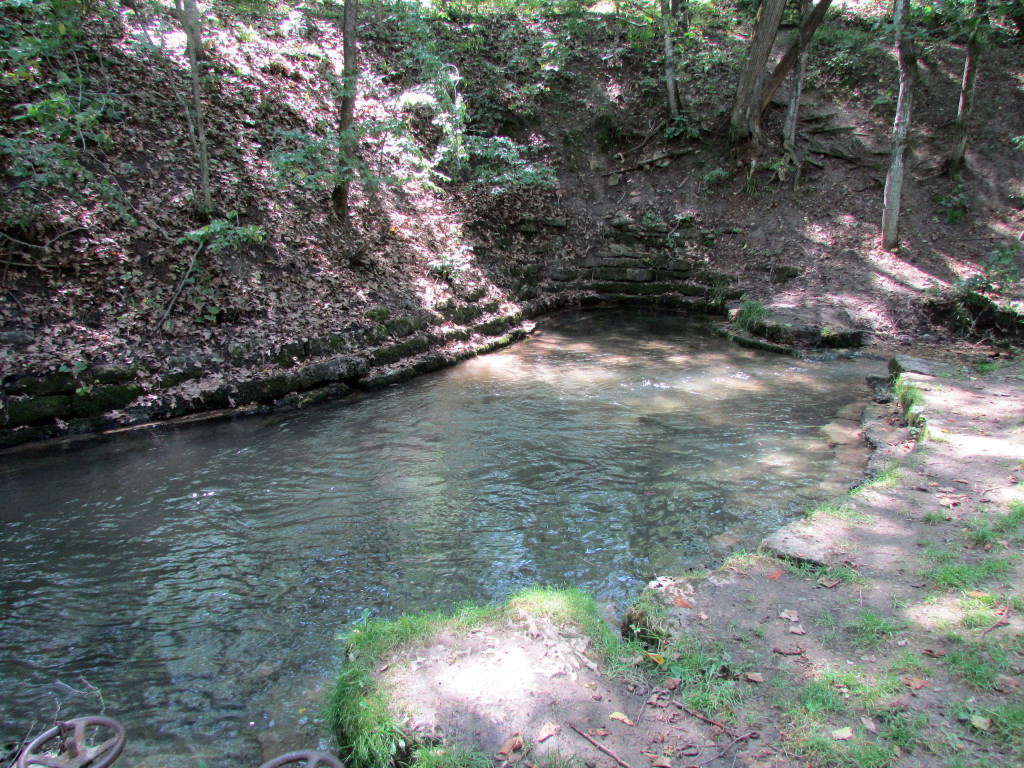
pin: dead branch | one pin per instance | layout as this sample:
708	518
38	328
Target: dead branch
669	155
701	717
601	747
181	285
1002	621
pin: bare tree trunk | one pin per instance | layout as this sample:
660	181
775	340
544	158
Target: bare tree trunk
745	121
894	180
671	89
975	43
807	29
346	111
188	15
789	127
681	13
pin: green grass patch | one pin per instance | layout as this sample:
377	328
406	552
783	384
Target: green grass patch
934	518
707	674
908	395
889	477
838	697
978	663
751	317
1004	722
869	629
969	575
810	572
358	712
840	511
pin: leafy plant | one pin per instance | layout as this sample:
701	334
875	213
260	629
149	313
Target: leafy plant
751	316
715	176
954	204
221	234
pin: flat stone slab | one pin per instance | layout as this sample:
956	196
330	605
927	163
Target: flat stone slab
907	364
803	540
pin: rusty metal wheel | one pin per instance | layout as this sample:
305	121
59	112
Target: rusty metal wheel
307	759
67	745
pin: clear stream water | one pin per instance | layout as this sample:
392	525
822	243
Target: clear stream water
199	577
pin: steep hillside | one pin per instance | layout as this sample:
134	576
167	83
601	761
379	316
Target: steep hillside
508	164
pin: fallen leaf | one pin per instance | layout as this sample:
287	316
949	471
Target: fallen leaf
915	683
703	616
512	744
903	643
868	723
621	718
935	653
793	650
547	731
828	583
657	658
671	683
753	677
790	615
1006	684
775	575
661	762
977	594
798	630
842	734
981	723
682	602
599	732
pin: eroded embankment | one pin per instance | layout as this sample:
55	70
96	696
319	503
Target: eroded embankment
631	264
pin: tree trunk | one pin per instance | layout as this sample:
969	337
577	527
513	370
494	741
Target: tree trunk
681	13
975	43
807	29
188	15
671	89
346	111
745	121
894	180
789	127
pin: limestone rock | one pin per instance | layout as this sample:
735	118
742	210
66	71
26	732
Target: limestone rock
801	541
906	364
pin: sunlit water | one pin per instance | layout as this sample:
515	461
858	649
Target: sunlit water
199	577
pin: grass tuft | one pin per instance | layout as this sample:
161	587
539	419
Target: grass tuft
751	317
870	628
969	575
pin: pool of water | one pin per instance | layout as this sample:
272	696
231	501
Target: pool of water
197	579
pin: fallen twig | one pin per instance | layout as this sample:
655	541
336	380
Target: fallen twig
651	160
1002	621
736	740
181	285
701	717
601	747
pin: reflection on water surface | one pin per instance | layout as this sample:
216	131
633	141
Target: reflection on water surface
199	576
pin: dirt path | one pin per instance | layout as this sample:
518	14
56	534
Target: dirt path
894	639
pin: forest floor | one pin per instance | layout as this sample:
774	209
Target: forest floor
899	643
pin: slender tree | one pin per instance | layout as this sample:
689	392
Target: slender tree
745	120
789	126
668	22
894	180
975	45
808	26
187	13
346	112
